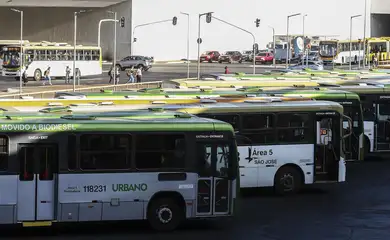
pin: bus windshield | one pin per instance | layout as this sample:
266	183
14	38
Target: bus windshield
328	49
11	59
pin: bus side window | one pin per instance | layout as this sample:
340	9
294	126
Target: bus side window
294	128
87	55
368	110
259	128
72	152
105	151
3	153
157	151
232	119
79	55
95	55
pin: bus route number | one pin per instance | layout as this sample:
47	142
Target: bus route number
95	188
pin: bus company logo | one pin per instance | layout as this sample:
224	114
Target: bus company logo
72	189
129	187
254	154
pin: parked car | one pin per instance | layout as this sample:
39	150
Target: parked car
313	65
230	57
313	56
151	59
264	58
134	61
247	56
210	56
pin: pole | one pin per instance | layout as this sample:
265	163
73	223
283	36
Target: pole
115	16
350	44
360	47
303	36
188	43
364	34
99	28
74	51
188	47
198	41
142	25
21	53
274	47
288	43
253	37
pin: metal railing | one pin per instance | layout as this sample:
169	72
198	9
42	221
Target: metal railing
51	93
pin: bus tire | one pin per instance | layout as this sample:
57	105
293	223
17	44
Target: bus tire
37	75
288	180
164	214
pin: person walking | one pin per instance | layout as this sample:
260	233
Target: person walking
226	70
131	77
110	73
139	75
117	75
24	76
67	75
47	77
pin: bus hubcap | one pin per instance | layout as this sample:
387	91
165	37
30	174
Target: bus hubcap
164	215
288	182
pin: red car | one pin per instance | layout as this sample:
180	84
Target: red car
264	58
210	56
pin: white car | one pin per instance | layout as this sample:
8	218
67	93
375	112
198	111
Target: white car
313	65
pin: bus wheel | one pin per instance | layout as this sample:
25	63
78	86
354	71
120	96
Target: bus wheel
37	75
288	180
164	214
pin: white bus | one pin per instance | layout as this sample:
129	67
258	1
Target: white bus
39	56
344	56
284	145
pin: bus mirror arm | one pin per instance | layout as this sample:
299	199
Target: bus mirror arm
350	127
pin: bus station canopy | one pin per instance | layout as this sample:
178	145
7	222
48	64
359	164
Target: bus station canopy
58	3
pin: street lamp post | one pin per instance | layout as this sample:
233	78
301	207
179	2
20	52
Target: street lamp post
199	42
288	37
99	28
274	42
253	37
21	51
188	43
142	25
350	40
74	48
364	34
304	43
114	57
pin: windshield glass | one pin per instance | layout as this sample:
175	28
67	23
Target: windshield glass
328	49
279	46
229	53
313	54
262	54
247	52
315	48
11	59
207	53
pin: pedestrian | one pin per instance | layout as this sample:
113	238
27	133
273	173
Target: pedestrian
117	75
67	75
24	76
110	73
226	70
139	75
47	78
131	77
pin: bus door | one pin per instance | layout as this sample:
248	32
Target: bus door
327	152
36	186
214	183
382	126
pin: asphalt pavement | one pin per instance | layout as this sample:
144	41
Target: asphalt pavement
159	72
356	210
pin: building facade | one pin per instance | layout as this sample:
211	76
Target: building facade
380	18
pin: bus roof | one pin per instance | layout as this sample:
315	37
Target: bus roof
367	89
257	107
48	47
136	121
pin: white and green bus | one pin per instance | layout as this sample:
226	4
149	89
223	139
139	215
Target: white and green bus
39	56
281	144
161	167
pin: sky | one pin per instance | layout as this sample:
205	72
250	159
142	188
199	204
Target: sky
167	42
